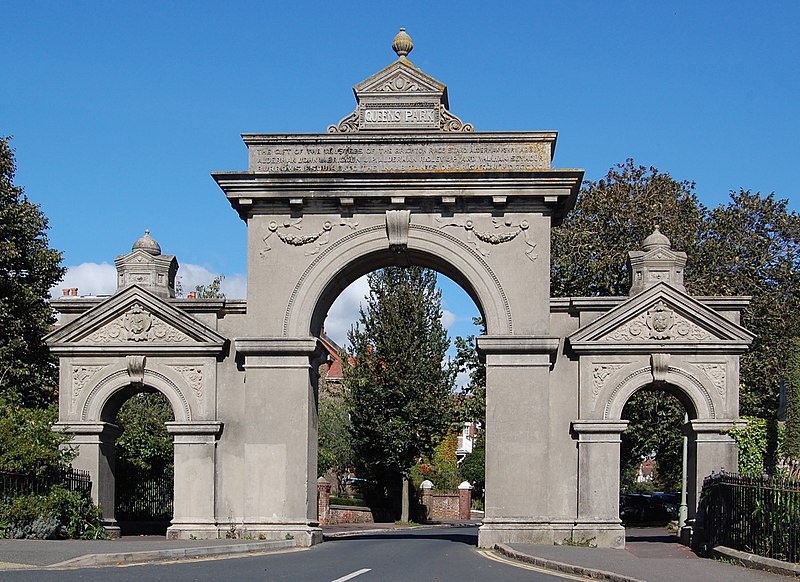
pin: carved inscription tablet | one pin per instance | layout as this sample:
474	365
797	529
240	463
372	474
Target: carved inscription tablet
394	157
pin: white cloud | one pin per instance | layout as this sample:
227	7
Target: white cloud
448	318
233	286
89	278
101	279
344	311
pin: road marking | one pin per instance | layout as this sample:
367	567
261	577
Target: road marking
353	575
504	560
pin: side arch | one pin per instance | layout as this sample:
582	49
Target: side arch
98	402
690	390
367	249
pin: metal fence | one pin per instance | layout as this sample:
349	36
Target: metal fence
144	499
760	516
13	484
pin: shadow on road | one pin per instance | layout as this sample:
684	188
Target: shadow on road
469	538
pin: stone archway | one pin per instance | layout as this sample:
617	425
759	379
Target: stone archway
399	181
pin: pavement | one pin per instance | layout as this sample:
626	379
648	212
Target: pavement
651	555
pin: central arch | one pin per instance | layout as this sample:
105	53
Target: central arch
364	251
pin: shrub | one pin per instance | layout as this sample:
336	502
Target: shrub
57	515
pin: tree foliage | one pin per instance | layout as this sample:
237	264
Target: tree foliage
145	447
751	246
335	449
472	398
398	388
211	291
614	215
654	430
28	269
791	442
28	445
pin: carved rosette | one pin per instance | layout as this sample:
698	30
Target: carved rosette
290	232
505	230
136	325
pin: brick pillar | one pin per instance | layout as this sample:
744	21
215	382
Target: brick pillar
427	489
323	501
464	500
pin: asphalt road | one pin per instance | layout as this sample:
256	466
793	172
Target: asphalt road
410	555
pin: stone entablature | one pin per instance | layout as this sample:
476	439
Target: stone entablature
403	152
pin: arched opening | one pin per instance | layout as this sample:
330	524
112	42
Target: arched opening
655	457
336	461
143	460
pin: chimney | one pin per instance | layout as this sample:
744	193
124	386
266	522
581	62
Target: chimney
74	291
192	295
66	291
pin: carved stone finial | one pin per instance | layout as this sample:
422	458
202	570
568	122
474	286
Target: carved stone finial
656	240
147	244
402	44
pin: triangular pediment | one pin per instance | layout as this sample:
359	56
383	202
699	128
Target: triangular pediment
134	318
400	77
658	319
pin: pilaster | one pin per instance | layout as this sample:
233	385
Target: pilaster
517	437
598	482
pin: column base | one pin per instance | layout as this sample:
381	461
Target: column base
498	531
303	535
598	535
112	530
591	534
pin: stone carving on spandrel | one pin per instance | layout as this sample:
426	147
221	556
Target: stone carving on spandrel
716	372
285	231
80	377
193	376
505	230
600	375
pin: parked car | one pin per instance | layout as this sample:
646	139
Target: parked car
635	508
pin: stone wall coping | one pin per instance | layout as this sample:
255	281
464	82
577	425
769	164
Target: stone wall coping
79	427
256	139
716	425
599	426
517	344
193	427
276	345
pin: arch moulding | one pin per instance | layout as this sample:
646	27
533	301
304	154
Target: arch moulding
423	241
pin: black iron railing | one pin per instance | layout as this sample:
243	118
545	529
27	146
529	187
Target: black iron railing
756	515
12	484
144	499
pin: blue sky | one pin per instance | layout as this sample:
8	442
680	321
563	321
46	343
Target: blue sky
120	111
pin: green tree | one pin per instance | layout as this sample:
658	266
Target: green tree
472	398
398	387
751	246
211	291
654	430
335	450
613	216
28	269
145	447
791	442
28	445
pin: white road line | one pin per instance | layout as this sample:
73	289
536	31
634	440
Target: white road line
353	575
